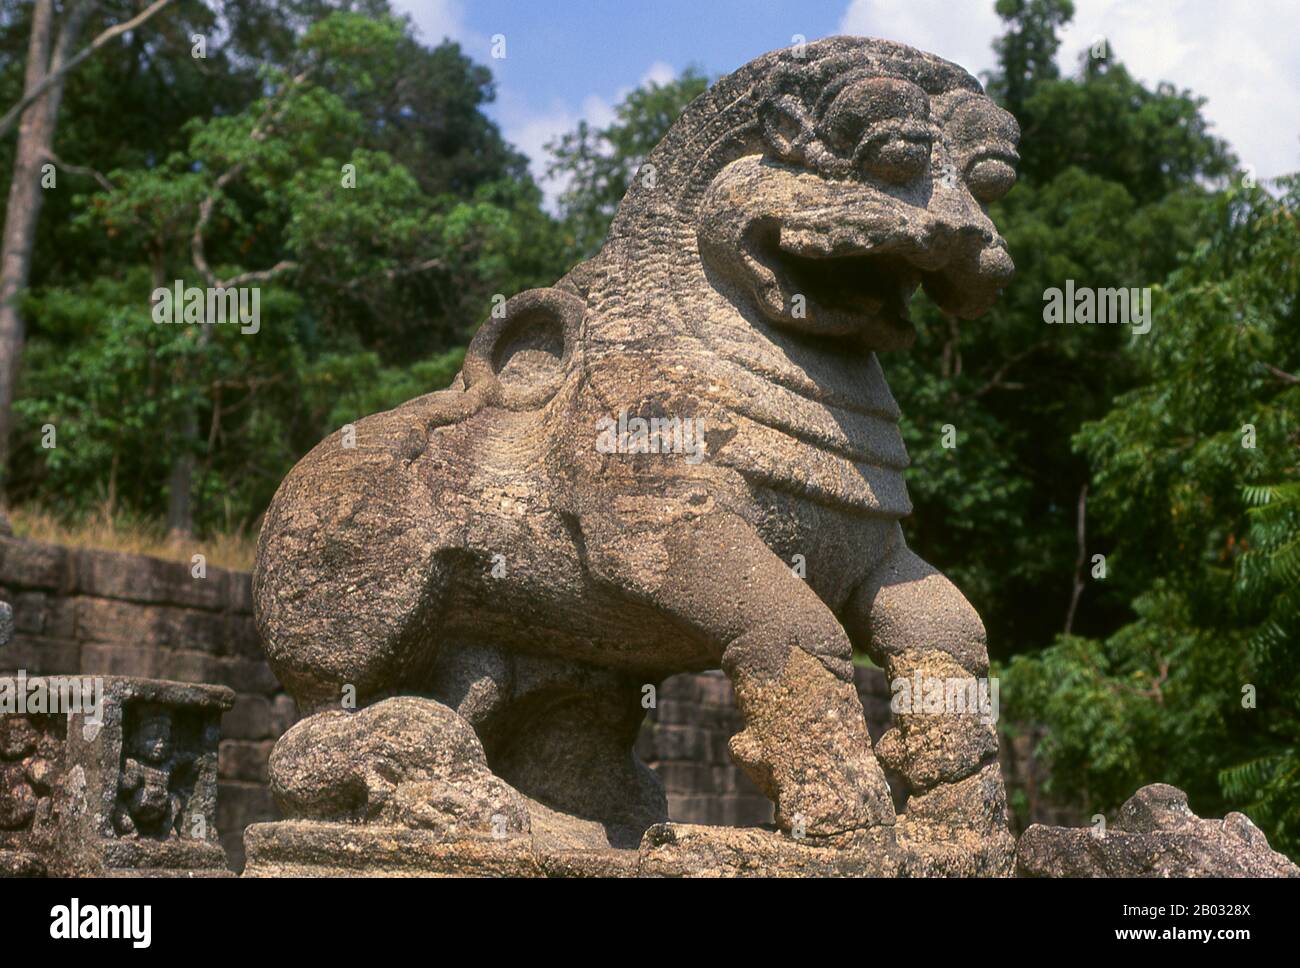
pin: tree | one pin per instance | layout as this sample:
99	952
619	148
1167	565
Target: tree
1027	51
54	72
1267	782
1109	195
365	290
50	56
1202	545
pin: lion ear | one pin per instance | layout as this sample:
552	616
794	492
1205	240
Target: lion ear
522	353
787	128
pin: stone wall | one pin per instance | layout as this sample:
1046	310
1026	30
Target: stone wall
79	611
685	741
87	612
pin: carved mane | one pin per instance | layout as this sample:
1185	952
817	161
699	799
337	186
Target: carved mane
726	121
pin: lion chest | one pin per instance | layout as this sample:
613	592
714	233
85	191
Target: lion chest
826	440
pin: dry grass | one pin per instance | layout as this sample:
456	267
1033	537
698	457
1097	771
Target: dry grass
135	537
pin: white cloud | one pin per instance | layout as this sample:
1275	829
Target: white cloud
530	130
959	32
659	73
525	124
436	19
1243	59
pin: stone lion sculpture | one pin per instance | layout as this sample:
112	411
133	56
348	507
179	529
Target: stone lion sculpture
682	456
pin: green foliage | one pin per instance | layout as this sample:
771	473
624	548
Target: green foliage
369	295
346	387
1267	784
1207	557
372	277
998	513
114	384
1027	51
1153	142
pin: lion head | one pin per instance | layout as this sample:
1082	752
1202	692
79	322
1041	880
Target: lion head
824	185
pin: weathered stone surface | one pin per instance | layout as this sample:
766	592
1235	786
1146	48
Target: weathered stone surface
17	863
959	829
529	549
40	656
299	848
588	863
150	626
244	760
241	803
240	636
136	578
250	717
1154	835
95	612
685	850
29	564
119	778
119	659
401	762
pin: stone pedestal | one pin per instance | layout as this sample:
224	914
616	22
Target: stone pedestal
691	850
1154	835
302	848
109	776
299	848
403	788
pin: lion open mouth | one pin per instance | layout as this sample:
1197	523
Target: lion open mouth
850	285
864	285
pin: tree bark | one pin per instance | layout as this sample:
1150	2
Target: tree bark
1082	561
180	482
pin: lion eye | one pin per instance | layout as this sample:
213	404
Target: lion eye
897	157
990	178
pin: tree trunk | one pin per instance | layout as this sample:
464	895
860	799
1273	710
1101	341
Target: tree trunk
180	512
180	479
35	141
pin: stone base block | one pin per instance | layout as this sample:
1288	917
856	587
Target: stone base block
301	848
690	850
20	863
403	788
1155	835
928	851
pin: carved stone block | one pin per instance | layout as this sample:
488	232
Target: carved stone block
109	776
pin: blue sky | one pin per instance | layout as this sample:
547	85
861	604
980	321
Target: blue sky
567	51
568	60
